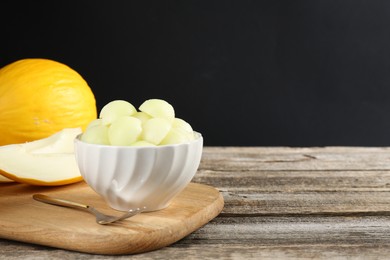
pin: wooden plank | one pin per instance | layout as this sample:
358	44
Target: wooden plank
290	159
220	150
16	251
370	203
296	181
294	231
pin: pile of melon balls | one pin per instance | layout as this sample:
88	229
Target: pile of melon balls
155	124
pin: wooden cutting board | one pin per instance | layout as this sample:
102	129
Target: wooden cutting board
26	220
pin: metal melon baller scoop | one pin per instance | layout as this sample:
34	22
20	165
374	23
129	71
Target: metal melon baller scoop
101	218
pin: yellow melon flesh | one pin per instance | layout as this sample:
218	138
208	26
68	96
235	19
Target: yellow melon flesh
47	162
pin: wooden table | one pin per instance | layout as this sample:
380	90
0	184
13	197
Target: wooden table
321	203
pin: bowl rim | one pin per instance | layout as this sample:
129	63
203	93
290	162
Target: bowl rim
198	138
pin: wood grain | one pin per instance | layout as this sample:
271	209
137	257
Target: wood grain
24	219
283	203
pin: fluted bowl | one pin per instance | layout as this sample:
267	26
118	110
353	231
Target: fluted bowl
138	177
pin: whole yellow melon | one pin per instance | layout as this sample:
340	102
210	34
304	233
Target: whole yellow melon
39	97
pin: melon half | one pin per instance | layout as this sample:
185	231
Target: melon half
4	179
48	162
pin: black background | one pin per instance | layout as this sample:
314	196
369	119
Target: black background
265	73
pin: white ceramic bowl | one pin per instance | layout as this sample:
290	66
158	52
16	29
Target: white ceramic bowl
135	177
